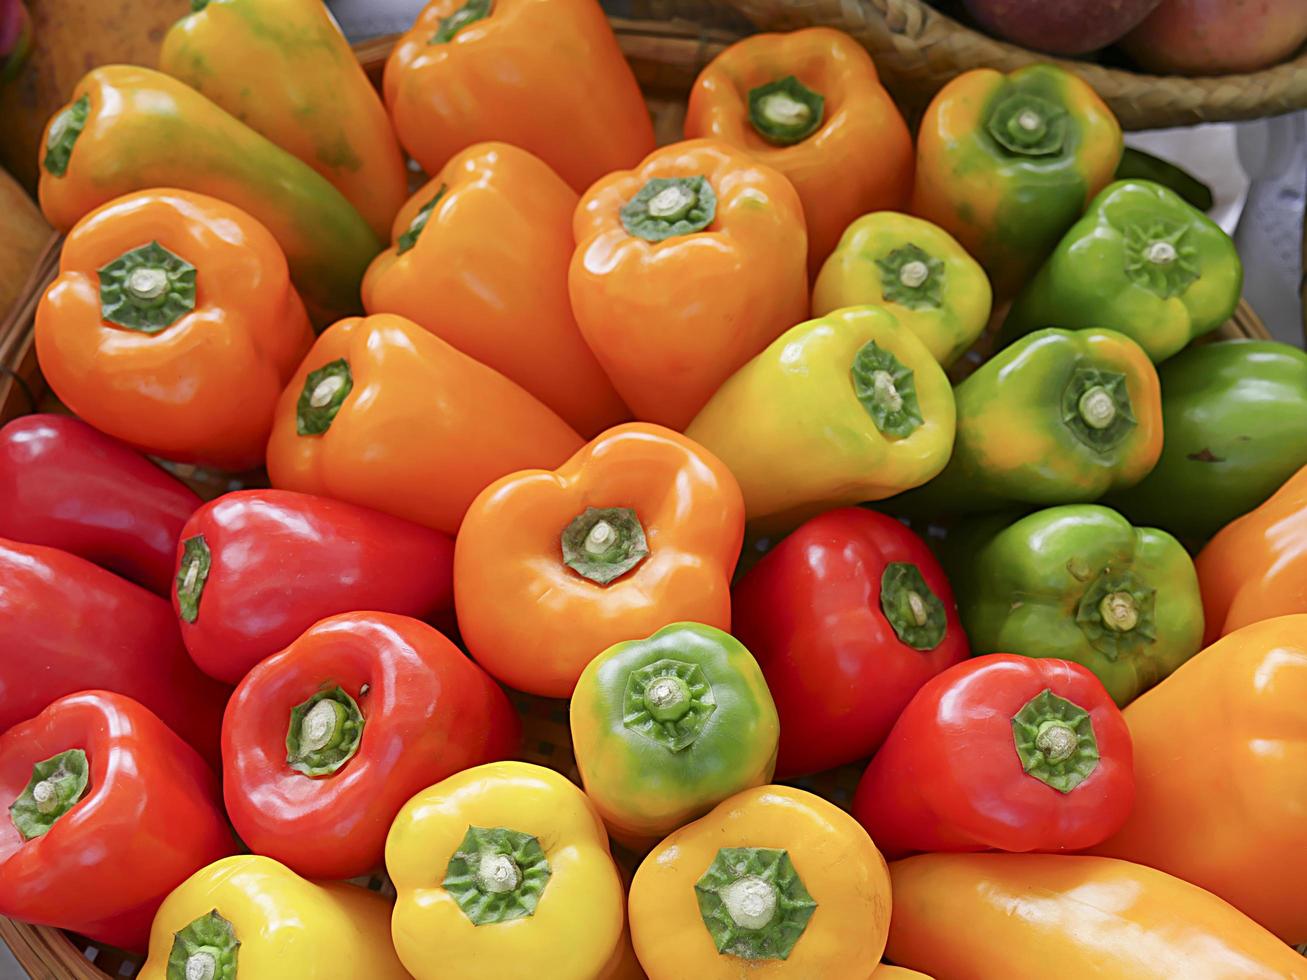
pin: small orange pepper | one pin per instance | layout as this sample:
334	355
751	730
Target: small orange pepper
480	259
684	269
545	75
1256	566
810	105
174	327
383	414
640	529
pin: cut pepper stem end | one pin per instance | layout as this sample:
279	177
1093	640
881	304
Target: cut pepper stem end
1097	407
497	874
886	393
1161	253
785	111
601	537
914	273
324	732
1030	121
750	902
201	965
667	699
671	203
604	543
781	109
46	796
147	282
667	207
326	391
917	607
1057	741
1119	611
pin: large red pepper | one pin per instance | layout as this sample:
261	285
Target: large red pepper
67	625
848	616
256	568
1001	752
67	485
109	811
326	741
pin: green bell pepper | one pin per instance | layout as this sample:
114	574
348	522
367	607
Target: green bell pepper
1141	261
665	728
1059	417
1079	583
1235	418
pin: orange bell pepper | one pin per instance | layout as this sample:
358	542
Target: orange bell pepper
545	75
1256	566
1220	758
651	526
385	415
1007	916
810	105
684	269
480	259
173	326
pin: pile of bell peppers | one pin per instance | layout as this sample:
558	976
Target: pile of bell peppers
839	494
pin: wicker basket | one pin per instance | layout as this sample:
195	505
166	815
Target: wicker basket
917	50
666	56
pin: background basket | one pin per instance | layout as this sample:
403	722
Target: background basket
666	56
917	50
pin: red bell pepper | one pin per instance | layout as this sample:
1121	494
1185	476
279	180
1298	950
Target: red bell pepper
324	742
67	625
66	485
256	568
1001	752
848	617
109	811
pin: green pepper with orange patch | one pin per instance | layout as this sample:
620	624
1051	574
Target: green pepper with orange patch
1006	164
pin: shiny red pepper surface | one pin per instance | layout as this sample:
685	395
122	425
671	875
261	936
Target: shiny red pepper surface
256	568
831	613
1001	752
67	625
106	850
324	742
67	485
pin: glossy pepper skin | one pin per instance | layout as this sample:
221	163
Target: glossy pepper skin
797	855
255	919
810	105
502	870
1220	751
174	327
1235	416
545	75
237	603
997	916
1001	752
667	727
686	267
1061	416
916	271
129	129
402	708
499	297
639	529
847	408
88	628
131	811
848	616
284	69
1080	583
1007	163
386	415
1255	567
65	485
1142	262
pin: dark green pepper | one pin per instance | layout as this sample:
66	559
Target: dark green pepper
1235	421
1141	261
1080	583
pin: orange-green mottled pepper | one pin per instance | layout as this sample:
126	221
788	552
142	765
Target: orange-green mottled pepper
1006	163
128	129
284	69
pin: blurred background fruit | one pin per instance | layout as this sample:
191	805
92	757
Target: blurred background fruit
1064	27
1214	37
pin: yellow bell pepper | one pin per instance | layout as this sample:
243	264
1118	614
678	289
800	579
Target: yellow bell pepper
917	271
250	918
503	871
773	884
840	410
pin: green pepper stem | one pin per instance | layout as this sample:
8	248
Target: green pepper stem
1119	611
55	787
917	606
201	965
1161	253
1056	741
1097	407
668	699
604	543
497	873
324	732
667	207
785	111
750	902
326	390
914	273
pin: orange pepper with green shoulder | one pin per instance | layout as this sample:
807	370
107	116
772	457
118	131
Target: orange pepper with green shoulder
640	529
383	414
173	326
480	259
545	75
1256	566
810	105
684	269
1007	163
